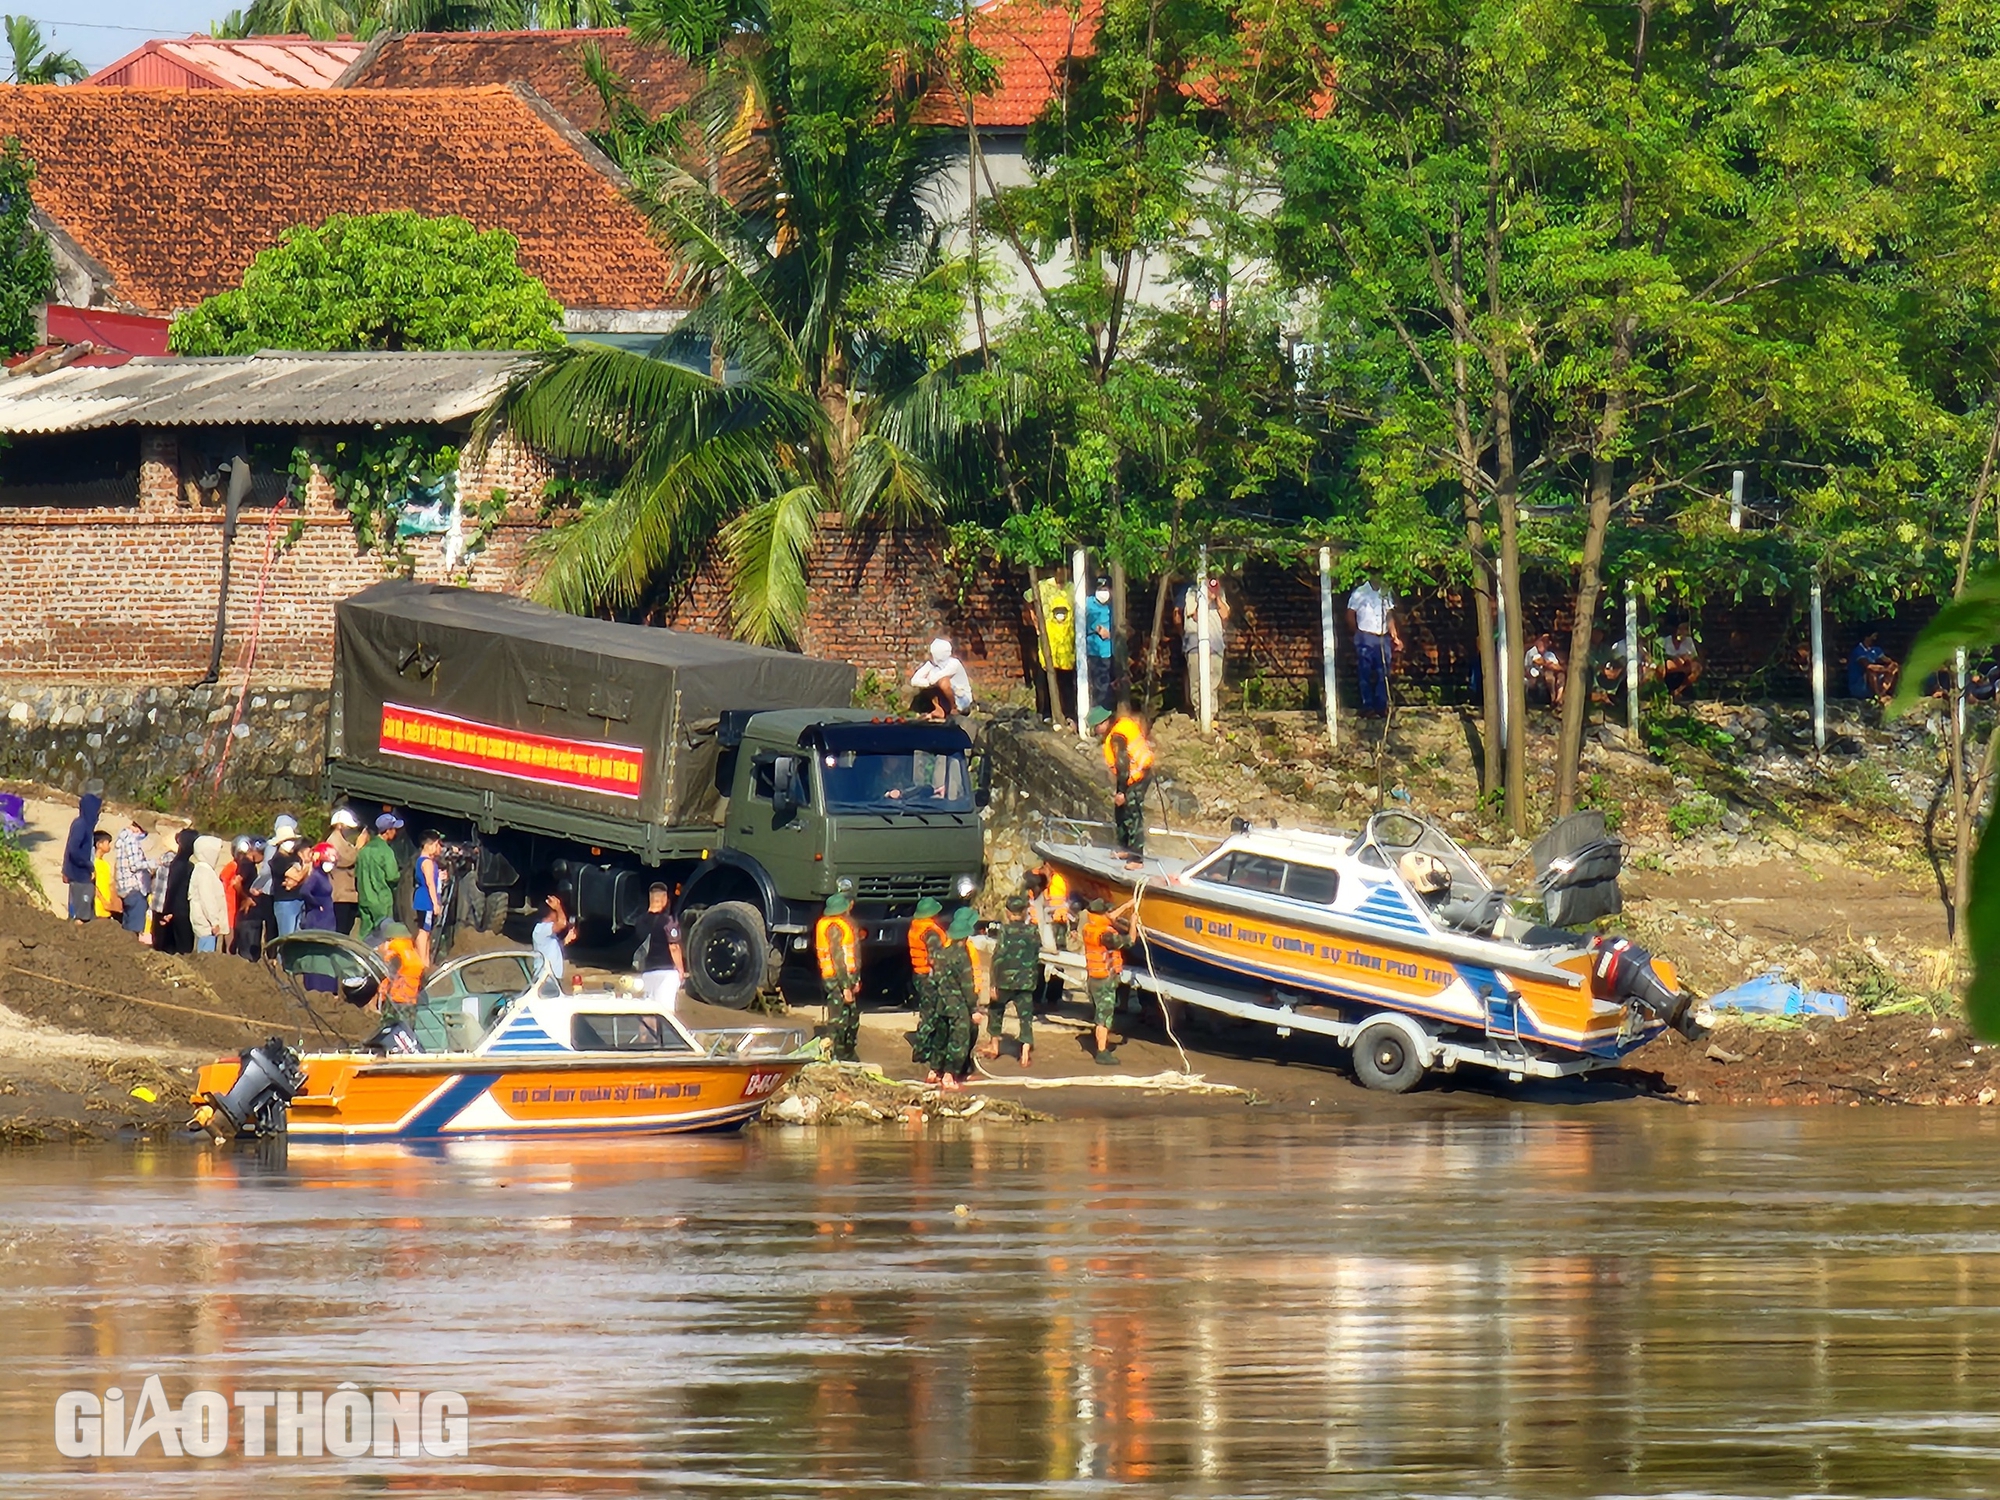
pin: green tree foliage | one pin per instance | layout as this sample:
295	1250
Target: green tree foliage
1590	257
27	267
796	190
378	281
32	60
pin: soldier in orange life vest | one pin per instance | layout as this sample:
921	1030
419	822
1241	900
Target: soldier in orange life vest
1129	759
925	932
839	947
1103	961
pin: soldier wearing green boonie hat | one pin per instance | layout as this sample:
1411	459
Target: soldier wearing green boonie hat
1017	970
956	989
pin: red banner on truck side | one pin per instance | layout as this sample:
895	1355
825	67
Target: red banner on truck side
420	734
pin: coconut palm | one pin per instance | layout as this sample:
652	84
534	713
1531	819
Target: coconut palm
801	210
32	59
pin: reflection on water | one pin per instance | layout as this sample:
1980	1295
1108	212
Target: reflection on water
1633	1302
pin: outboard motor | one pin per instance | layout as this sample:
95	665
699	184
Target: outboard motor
269	1078
1624	971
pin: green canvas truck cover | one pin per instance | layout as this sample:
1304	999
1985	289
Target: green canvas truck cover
487	690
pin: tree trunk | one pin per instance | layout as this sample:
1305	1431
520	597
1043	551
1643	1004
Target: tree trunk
1589	586
1506	501
1160	612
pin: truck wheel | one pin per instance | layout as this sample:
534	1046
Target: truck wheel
728	954
1385	1060
493	909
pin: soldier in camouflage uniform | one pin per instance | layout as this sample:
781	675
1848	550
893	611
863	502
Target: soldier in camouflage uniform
1104	948
952	973
839	945
1017	970
925	936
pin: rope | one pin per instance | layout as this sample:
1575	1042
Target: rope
1166	1007
91	989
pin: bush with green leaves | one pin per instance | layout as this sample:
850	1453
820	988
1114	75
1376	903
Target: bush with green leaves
378	281
1695	813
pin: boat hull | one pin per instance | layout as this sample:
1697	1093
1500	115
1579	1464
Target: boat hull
358	1097
1388	961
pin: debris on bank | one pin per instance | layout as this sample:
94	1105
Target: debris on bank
835	1093
1883	1059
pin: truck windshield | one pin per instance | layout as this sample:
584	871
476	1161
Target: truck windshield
895	781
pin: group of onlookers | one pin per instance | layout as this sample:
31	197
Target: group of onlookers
190	892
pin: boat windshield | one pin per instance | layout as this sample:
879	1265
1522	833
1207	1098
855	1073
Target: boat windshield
1392	835
883	781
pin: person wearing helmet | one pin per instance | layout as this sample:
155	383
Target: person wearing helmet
926	936
246	864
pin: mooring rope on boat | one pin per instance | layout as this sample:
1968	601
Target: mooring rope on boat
1166	1007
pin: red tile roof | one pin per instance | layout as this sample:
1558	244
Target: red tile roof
175	192
1027	41
207	62
549	62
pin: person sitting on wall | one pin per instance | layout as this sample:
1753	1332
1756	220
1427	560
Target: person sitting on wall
946	671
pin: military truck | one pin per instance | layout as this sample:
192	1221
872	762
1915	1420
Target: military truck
592	759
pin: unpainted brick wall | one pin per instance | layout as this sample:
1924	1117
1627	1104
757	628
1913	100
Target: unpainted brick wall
128	594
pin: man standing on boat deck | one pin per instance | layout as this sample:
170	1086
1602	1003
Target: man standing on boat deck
925	931
1103	961
1371	620
839	948
1130	761
1017	969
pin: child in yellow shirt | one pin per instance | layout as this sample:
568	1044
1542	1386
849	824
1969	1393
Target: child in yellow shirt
107	903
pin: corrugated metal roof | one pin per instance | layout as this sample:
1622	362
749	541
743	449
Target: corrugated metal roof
272	62
275	388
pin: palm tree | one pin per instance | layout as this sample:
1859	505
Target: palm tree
805	226
366	18
33	61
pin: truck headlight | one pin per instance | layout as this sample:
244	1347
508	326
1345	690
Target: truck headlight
966	886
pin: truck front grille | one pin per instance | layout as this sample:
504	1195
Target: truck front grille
903	890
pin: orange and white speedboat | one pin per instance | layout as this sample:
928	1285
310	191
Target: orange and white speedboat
494	1046
1394	943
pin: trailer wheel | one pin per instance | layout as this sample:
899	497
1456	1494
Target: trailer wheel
1385	1059
728	954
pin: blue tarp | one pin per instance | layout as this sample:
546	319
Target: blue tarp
1772	994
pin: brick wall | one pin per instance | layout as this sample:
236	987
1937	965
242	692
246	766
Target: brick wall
125	595
878	598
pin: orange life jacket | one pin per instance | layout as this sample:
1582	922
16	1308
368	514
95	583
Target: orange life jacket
1100	961
1138	754
406	972
1059	895
835	934
920	954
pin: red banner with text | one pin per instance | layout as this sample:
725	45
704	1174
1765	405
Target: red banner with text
420	734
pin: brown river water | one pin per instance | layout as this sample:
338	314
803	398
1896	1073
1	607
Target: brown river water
1518	1302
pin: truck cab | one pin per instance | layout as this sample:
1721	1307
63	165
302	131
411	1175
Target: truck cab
886	809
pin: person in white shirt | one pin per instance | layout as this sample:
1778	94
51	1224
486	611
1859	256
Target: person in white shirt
1543	666
1371	620
946	671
